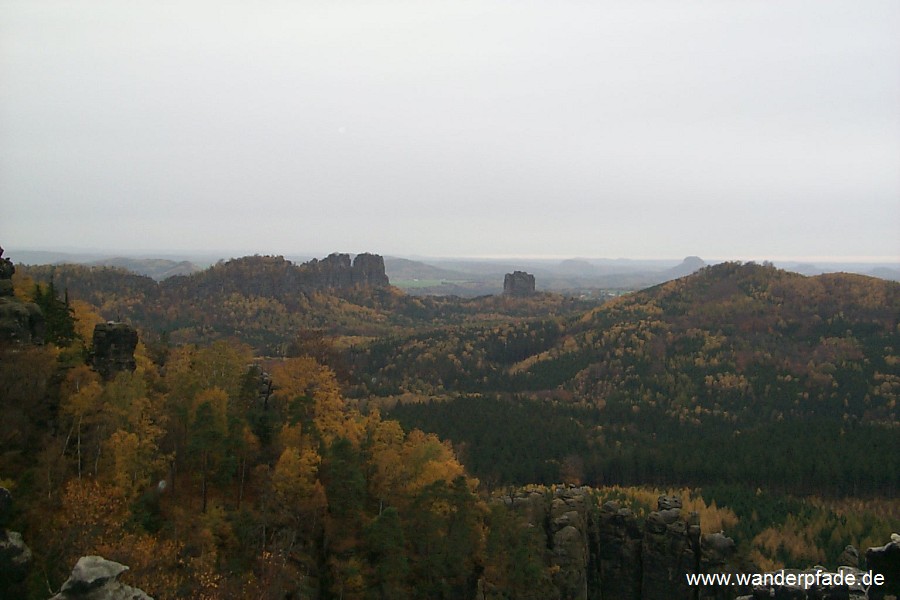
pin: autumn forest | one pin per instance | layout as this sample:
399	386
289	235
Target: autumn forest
309	431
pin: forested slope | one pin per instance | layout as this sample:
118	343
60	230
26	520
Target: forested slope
736	373
216	471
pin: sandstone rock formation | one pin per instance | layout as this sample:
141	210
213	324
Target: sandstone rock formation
337	271
368	270
15	556
95	578
21	322
717	555
669	550
849	557
568	533
7	269
276	277
598	554
518	283
886	561
620	541
603	553
114	345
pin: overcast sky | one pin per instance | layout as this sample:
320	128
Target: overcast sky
725	129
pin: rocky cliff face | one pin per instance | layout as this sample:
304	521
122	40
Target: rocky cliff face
368	270
602	552
114	345
276	277
605	553
21	322
95	578
337	271
518	283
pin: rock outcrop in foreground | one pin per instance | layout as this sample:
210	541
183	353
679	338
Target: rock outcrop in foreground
15	556
95	578
886	560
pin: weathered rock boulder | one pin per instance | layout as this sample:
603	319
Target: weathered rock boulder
810	584
114	345
886	561
849	557
717	555
518	283
15	560
15	556
665	502
95	578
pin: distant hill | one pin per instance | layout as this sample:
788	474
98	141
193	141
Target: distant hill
689	265
268	301
577	267
574	276
708	378
155	268
403	269
725	318
886	273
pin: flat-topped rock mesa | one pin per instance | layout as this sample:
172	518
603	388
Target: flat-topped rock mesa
276	277
21	322
113	348
518	283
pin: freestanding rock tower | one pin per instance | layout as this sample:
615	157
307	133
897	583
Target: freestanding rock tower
114	345
518	283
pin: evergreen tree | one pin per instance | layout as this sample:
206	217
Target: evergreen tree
59	318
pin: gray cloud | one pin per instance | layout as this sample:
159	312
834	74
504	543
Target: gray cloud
575	128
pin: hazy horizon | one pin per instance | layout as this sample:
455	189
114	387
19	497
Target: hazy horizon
731	130
175	254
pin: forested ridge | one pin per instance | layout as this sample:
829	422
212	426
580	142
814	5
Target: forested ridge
737	373
267	301
345	442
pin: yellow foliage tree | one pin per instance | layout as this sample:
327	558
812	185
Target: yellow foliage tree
426	460
310	392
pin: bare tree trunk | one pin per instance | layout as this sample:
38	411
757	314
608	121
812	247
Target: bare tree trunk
241	486
203	483
99	446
